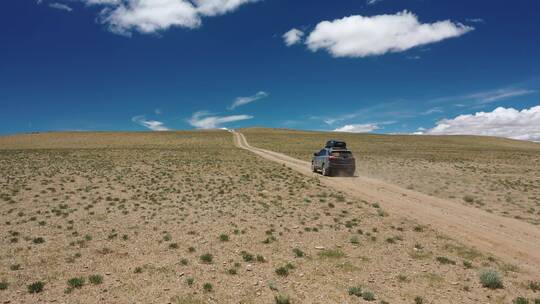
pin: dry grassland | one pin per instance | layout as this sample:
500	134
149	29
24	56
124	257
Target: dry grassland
186	217
498	175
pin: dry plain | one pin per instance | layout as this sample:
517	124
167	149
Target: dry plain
187	217
501	176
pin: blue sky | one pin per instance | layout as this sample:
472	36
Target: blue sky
384	66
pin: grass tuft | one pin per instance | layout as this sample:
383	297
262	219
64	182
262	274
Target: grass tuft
491	279
36	287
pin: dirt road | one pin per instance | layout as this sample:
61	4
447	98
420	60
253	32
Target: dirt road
513	241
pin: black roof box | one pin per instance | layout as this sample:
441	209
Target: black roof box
336	144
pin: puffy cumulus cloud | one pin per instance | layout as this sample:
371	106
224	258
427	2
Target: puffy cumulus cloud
240	101
360	36
293	37
358	128
205	120
502	122
150	124
150	16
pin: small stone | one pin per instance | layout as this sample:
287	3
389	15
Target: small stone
319	247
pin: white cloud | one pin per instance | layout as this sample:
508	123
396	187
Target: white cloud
359	36
60	6
101	2
496	95
240	101
158	111
205	120
371	2
432	111
476	20
293	37
149	16
484	97
150	124
218	7
358	128
502	122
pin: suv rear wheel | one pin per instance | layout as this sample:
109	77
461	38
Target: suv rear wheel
325	171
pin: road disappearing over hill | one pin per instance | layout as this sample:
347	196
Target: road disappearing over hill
513	241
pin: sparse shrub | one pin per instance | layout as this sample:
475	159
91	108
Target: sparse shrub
95	279
467	264
36	287
491	279
331	254
207	258
76	282
418	300
402	278
269	239
191	249
521	300
208	287
184	262
174	246
224	238
534	286
445	260
368	295
15	267
232	271
3	285
355	240
260	258
355	291
190	281
138	270
419	228
365	294
281	299
468	198
248	257
282	271
298	253
38	240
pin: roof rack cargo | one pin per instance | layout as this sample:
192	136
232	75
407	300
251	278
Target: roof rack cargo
336	144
